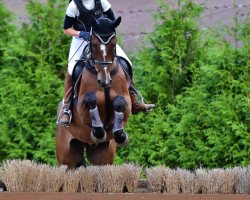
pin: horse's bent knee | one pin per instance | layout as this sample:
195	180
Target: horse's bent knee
90	99
119	103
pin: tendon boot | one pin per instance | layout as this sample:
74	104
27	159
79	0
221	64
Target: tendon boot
65	116
138	106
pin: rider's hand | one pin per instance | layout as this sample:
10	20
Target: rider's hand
84	35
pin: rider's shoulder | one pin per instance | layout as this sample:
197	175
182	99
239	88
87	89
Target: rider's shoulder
72	9
105	5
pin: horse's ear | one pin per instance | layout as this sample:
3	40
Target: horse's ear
94	22
116	22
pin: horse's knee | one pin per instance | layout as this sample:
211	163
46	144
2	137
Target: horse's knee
119	103
90	99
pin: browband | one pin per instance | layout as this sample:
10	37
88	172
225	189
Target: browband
104	38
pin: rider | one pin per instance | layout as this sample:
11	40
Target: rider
77	24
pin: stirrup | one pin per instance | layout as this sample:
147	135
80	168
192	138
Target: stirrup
64	112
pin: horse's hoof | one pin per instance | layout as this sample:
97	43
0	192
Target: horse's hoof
125	143
98	134
121	138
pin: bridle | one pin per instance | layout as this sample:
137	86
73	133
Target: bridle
104	39
104	30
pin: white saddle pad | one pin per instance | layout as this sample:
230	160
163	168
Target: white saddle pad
121	53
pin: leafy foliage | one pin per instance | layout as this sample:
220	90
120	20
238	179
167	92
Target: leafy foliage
174	53
203	112
31	84
199	81
6	30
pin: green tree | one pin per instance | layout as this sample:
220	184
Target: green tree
31	88
6	30
203	112
174	52
199	81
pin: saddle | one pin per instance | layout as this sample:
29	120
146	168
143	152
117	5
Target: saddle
127	68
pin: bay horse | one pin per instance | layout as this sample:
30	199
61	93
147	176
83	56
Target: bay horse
103	103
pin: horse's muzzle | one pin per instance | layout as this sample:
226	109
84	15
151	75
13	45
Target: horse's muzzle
104	83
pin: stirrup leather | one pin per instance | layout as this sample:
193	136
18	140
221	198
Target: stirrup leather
64	112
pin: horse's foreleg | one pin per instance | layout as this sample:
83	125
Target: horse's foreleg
69	151
120	136
98	133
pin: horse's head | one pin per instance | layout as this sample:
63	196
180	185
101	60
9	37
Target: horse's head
103	48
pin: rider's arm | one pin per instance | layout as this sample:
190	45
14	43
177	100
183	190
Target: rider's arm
106	6
69	19
68	23
110	14
71	32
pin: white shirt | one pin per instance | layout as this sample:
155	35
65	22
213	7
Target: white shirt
73	11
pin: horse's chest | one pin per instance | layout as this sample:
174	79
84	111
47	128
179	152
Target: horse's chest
102	97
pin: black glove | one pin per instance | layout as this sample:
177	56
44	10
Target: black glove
84	35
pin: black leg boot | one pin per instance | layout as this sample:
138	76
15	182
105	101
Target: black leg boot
138	106
65	116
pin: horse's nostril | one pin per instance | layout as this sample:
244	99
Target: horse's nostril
99	82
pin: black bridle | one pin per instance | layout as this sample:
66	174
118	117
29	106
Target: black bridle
103	63
104	39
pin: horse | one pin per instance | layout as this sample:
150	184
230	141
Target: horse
103	103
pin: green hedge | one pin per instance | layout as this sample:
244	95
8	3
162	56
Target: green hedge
199	81
32	84
201	85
